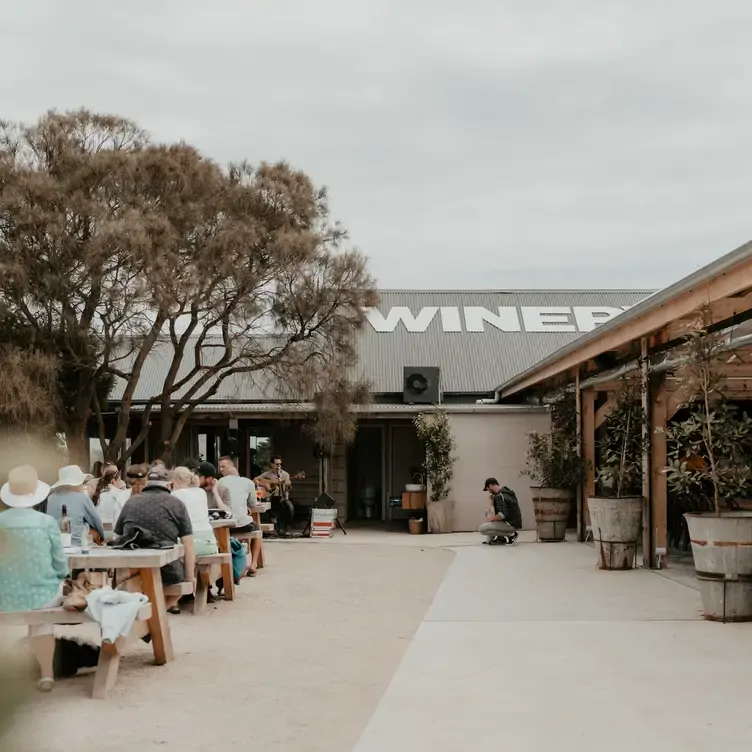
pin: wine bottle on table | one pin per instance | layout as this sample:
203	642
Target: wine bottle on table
65	521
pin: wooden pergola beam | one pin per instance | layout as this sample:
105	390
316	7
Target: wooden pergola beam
602	413
588	451
721	310
658	510
653	321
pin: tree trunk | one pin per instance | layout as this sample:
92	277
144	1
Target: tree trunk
78	443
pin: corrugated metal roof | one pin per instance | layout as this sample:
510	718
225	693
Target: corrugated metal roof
471	362
723	265
241	408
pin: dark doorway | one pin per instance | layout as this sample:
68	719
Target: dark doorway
366	476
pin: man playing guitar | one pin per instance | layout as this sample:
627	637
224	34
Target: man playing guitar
278	483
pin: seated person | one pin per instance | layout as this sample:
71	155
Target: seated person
69	492
157	512
109	496
503	518
32	563
194	498
278	484
217	497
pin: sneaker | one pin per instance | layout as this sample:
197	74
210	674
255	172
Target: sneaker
512	538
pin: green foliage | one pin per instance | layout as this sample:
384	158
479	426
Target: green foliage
689	471
619	468
552	459
710	450
434	431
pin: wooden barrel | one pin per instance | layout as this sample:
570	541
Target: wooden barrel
616	525
552	508
722	550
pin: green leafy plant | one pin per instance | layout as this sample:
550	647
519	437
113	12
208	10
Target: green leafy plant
552	459
619	467
436	434
709	450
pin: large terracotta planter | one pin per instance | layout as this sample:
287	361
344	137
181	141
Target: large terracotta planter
552	509
616	526
722	550
440	516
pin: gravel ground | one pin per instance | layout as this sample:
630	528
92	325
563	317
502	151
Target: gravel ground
298	662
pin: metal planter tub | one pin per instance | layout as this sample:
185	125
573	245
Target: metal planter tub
552	508
722	550
616	526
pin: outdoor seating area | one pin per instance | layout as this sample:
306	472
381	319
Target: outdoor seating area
128	588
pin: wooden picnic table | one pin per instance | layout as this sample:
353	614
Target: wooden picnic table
258	509
222	534
147	562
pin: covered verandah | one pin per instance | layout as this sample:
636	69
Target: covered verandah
644	341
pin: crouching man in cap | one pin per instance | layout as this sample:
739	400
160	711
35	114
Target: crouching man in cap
503	518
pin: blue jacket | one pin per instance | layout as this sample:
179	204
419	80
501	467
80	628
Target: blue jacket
81	512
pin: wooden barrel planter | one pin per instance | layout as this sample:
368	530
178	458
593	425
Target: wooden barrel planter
616	526
722	550
552	509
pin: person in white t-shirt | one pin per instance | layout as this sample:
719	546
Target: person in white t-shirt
185	487
242	495
109	496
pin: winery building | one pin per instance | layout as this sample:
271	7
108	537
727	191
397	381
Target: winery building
453	349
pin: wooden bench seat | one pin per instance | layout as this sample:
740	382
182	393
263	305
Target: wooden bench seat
109	654
180	588
246	539
208	569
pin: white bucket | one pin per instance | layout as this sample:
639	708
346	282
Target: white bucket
322	522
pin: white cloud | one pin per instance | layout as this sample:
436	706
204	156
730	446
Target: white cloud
474	144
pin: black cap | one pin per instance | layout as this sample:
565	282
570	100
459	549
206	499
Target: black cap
206	470
490	482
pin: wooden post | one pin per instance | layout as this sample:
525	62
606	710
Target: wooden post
658	484
648	553
588	450
578	413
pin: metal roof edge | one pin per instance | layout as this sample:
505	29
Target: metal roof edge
370	409
529	291
720	266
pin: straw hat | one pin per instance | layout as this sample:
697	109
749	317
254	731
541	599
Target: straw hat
23	489
71	475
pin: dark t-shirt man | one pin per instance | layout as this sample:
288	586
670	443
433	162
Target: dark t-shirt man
155	510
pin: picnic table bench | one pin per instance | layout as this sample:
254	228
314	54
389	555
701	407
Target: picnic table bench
146	564
109	654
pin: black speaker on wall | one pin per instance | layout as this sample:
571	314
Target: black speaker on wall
232	442
421	385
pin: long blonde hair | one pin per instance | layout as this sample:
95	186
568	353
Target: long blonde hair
182	476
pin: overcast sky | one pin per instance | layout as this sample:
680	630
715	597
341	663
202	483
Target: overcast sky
478	144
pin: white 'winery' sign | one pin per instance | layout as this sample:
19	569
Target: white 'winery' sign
504	318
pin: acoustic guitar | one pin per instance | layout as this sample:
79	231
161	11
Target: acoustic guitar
262	492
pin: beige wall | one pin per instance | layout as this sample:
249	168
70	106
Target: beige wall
491	445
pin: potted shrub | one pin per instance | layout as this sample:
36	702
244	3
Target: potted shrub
435	433
554	467
709	461
616	510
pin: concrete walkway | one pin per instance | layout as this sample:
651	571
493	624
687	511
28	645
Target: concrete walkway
531	648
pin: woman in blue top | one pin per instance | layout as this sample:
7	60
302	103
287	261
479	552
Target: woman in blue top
69	492
32	563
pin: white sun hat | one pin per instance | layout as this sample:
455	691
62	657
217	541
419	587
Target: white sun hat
23	489
71	475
